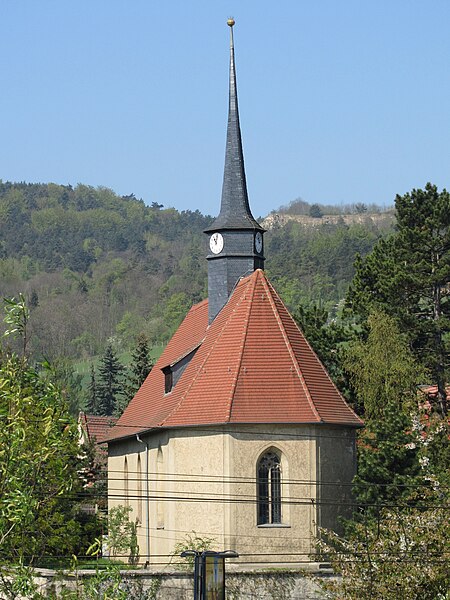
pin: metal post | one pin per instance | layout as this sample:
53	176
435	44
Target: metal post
147	495
197	571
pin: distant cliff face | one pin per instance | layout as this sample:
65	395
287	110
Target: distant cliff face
383	220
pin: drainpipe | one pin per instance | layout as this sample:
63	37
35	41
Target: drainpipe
147	494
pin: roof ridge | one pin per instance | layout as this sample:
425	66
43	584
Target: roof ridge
197	305
244	338
194	378
325	371
269	288
187	352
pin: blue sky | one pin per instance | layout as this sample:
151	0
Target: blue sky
339	102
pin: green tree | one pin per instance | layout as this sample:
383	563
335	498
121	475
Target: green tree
388	462
175	310
67	381
328	338
382	369
384	376
92	401
122	533
17	316
315	211
39	463
110	383
407	276
403	556
141	365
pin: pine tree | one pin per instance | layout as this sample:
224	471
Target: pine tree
92	402
328	337
110	383
141	365
407	276
388	462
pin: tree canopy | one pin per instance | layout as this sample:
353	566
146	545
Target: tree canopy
407	276
39	466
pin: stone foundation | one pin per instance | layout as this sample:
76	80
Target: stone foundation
257	584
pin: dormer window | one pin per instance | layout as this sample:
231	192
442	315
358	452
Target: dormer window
168	379
175	370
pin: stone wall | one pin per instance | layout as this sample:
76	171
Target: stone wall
241	585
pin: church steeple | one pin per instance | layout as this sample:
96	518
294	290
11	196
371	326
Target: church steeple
234	210
236	243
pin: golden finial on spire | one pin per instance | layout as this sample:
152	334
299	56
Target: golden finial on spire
231	22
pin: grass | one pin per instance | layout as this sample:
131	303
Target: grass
85	564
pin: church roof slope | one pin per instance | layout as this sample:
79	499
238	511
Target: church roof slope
253	365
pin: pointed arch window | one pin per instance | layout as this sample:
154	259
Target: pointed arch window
269	489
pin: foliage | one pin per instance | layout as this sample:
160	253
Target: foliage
110	383
16	320
92	400
122	533
407	277
191	541
315	211
67	380
140	367
388	462
314	265
301	207
329	338
106	582
96	264
38	467
382	369
403	555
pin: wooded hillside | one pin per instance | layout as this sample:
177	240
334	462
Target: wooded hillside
94	265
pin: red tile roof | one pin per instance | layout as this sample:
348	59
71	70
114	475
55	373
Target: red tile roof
253	365
96	427
432	390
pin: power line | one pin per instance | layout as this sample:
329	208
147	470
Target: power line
220	499
237	480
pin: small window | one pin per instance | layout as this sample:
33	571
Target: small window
269	489
168	380
175	370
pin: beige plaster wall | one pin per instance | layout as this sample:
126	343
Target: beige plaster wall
289	541
185	483
204	481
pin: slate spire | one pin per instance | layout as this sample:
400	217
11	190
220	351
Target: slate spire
236	246
234	209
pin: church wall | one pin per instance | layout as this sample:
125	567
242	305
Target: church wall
127	485
200	458
204	481
186	487
289	541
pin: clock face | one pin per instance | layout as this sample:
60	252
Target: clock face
216	243
258	242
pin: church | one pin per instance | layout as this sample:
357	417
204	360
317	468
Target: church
238	433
